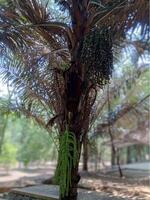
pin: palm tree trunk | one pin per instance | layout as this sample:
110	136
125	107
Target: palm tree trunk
75	178
73	193
72	120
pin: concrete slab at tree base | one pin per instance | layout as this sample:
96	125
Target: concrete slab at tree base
42	192
49	192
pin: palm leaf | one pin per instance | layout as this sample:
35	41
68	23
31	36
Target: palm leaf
121	15
31	18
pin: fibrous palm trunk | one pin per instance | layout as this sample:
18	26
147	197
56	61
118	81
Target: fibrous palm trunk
72	116
75	177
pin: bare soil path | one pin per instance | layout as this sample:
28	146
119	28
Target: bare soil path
135	185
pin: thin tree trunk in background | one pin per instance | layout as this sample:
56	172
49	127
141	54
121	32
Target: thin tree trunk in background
113	157
115	152
96	163
85	153
135	154
2	134
129	151
1	140
139	152
118	163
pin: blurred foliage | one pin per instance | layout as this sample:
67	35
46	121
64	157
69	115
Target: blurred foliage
35	145
25	142
8	154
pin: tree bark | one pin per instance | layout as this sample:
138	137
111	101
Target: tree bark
75	178
73	193
72	120
76	94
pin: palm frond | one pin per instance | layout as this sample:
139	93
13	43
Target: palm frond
121	15
31	18
96	3
36	88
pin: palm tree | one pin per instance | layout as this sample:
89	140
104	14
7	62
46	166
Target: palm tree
57	65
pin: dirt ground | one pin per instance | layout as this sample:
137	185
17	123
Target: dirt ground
134	185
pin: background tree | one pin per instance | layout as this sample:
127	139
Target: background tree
8	155
130	76
27	142
58	67
127	111
5	110
34	144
